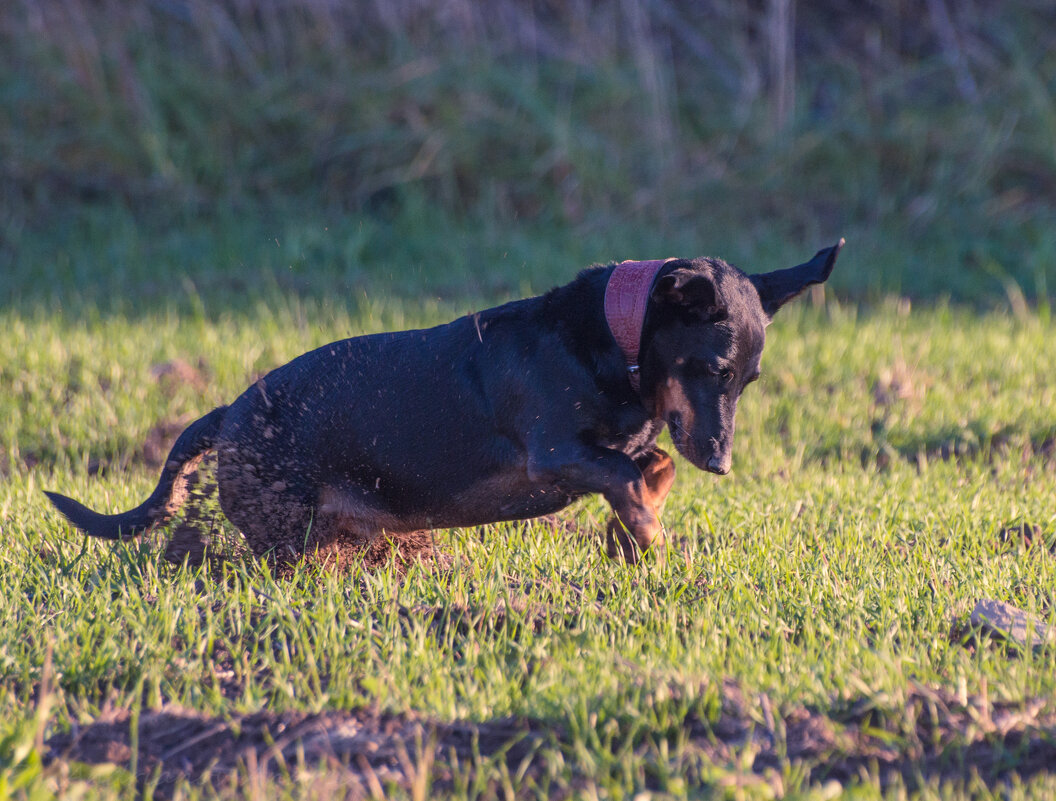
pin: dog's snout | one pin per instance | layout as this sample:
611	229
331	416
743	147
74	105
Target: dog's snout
720	460
717	464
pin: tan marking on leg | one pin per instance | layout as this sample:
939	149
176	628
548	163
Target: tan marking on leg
355	518
659	476
636	527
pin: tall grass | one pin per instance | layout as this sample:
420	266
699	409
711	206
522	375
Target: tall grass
348	99
901	123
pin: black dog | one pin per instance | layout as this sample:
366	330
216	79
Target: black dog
506	414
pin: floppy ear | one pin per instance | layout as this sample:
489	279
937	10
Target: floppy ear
778	288
694	292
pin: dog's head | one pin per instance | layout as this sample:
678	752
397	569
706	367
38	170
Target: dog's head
702	343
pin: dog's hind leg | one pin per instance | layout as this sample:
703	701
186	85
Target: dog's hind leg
347	525
272	510
285	517
658	470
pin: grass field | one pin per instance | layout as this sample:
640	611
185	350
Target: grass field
193	193
808	631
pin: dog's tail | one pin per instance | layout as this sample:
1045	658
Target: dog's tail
171	492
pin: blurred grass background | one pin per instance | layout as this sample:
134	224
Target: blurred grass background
183	153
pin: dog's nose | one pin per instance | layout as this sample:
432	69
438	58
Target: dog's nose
716	464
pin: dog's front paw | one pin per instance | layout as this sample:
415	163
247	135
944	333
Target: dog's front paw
647	540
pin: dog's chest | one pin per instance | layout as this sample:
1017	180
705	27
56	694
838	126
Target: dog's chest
631	433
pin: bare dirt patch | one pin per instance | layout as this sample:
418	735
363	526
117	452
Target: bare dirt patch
927	734
173	375
367	749
402	550
900	382
159	440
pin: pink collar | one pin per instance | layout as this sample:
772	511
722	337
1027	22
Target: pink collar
626	299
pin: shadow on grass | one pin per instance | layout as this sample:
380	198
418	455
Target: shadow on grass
975	439
100	260
107	260
972	441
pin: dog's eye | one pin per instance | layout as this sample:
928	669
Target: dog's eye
700	367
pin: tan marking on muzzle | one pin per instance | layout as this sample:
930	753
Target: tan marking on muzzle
671	397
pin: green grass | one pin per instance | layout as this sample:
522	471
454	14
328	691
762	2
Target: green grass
237	184
836	563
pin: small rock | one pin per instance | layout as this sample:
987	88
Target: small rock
1012	623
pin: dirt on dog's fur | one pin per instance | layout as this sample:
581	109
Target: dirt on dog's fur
199	536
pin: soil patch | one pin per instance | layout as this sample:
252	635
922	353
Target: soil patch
173	375
927	734
956	445
366	749
159	441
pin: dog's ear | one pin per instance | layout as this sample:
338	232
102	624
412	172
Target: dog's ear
778	288
692	291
